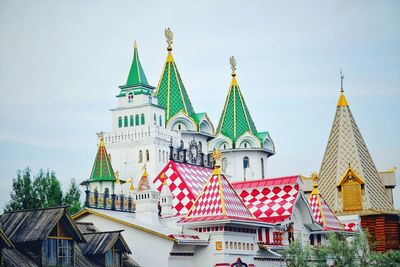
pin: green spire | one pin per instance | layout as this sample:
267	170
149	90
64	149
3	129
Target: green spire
136	74
235	119
171	92
102	169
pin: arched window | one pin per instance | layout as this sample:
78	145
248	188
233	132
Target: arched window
159	155
120	122
160	121
155	119
224	162
163	156
179	126
130	97
142	118
140	156
131	120
147	155
262	168
126	121
246	162
137	119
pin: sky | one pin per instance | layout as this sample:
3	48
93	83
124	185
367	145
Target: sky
61	63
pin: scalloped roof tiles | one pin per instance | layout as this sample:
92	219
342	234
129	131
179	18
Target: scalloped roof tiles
346	146
235	119
171	92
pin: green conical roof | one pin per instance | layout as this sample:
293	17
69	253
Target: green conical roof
102	169
136	73
235	119
171	92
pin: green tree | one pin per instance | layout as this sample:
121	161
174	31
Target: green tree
72	198
22	195
47	189
41	191
297	254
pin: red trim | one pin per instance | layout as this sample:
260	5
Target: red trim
260	235
267	235
222	264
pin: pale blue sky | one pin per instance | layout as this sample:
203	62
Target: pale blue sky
61	63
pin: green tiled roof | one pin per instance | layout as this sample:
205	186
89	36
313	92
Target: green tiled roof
102	169
171	92
136	73
235	119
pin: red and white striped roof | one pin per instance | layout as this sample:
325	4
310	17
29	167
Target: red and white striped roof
322	212
218	201
185	182
270	200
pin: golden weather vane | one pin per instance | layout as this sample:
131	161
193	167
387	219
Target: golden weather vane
232	61
170	37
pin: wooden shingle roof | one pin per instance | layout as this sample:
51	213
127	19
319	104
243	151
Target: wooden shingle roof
101	242
36	225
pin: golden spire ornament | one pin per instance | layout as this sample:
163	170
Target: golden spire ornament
170	37
216	155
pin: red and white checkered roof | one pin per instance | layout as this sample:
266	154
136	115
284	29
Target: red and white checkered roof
323	214
218	201
185	182
270	200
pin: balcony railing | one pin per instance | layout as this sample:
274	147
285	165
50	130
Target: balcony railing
109	201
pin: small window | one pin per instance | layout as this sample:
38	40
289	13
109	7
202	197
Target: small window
131	120
262	168
246	162
57	252
160	121
155	119
147	155
126	121
142	117
113	258
140	156
137	119
179	127
120	122
130	98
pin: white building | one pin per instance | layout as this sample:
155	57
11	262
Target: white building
184	210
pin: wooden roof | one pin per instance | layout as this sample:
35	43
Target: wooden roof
36	225
15	258
87	227
101	242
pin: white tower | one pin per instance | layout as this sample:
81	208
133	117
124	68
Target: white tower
245	150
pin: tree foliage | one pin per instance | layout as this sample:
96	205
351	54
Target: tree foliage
41	191
343	250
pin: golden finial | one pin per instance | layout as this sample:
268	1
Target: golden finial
314	176
163	178
100	135
170	36
232	61
117	181
135	45
216	154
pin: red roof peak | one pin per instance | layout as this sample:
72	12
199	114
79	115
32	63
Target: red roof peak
218	201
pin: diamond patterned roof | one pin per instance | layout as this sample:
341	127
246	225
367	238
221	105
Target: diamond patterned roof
270	200
185	182
235	119
171	92
346	146
322	212
218	201
136	73
102	169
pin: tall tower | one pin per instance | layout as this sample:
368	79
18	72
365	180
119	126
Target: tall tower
179	112
245	150
138	137
350	183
